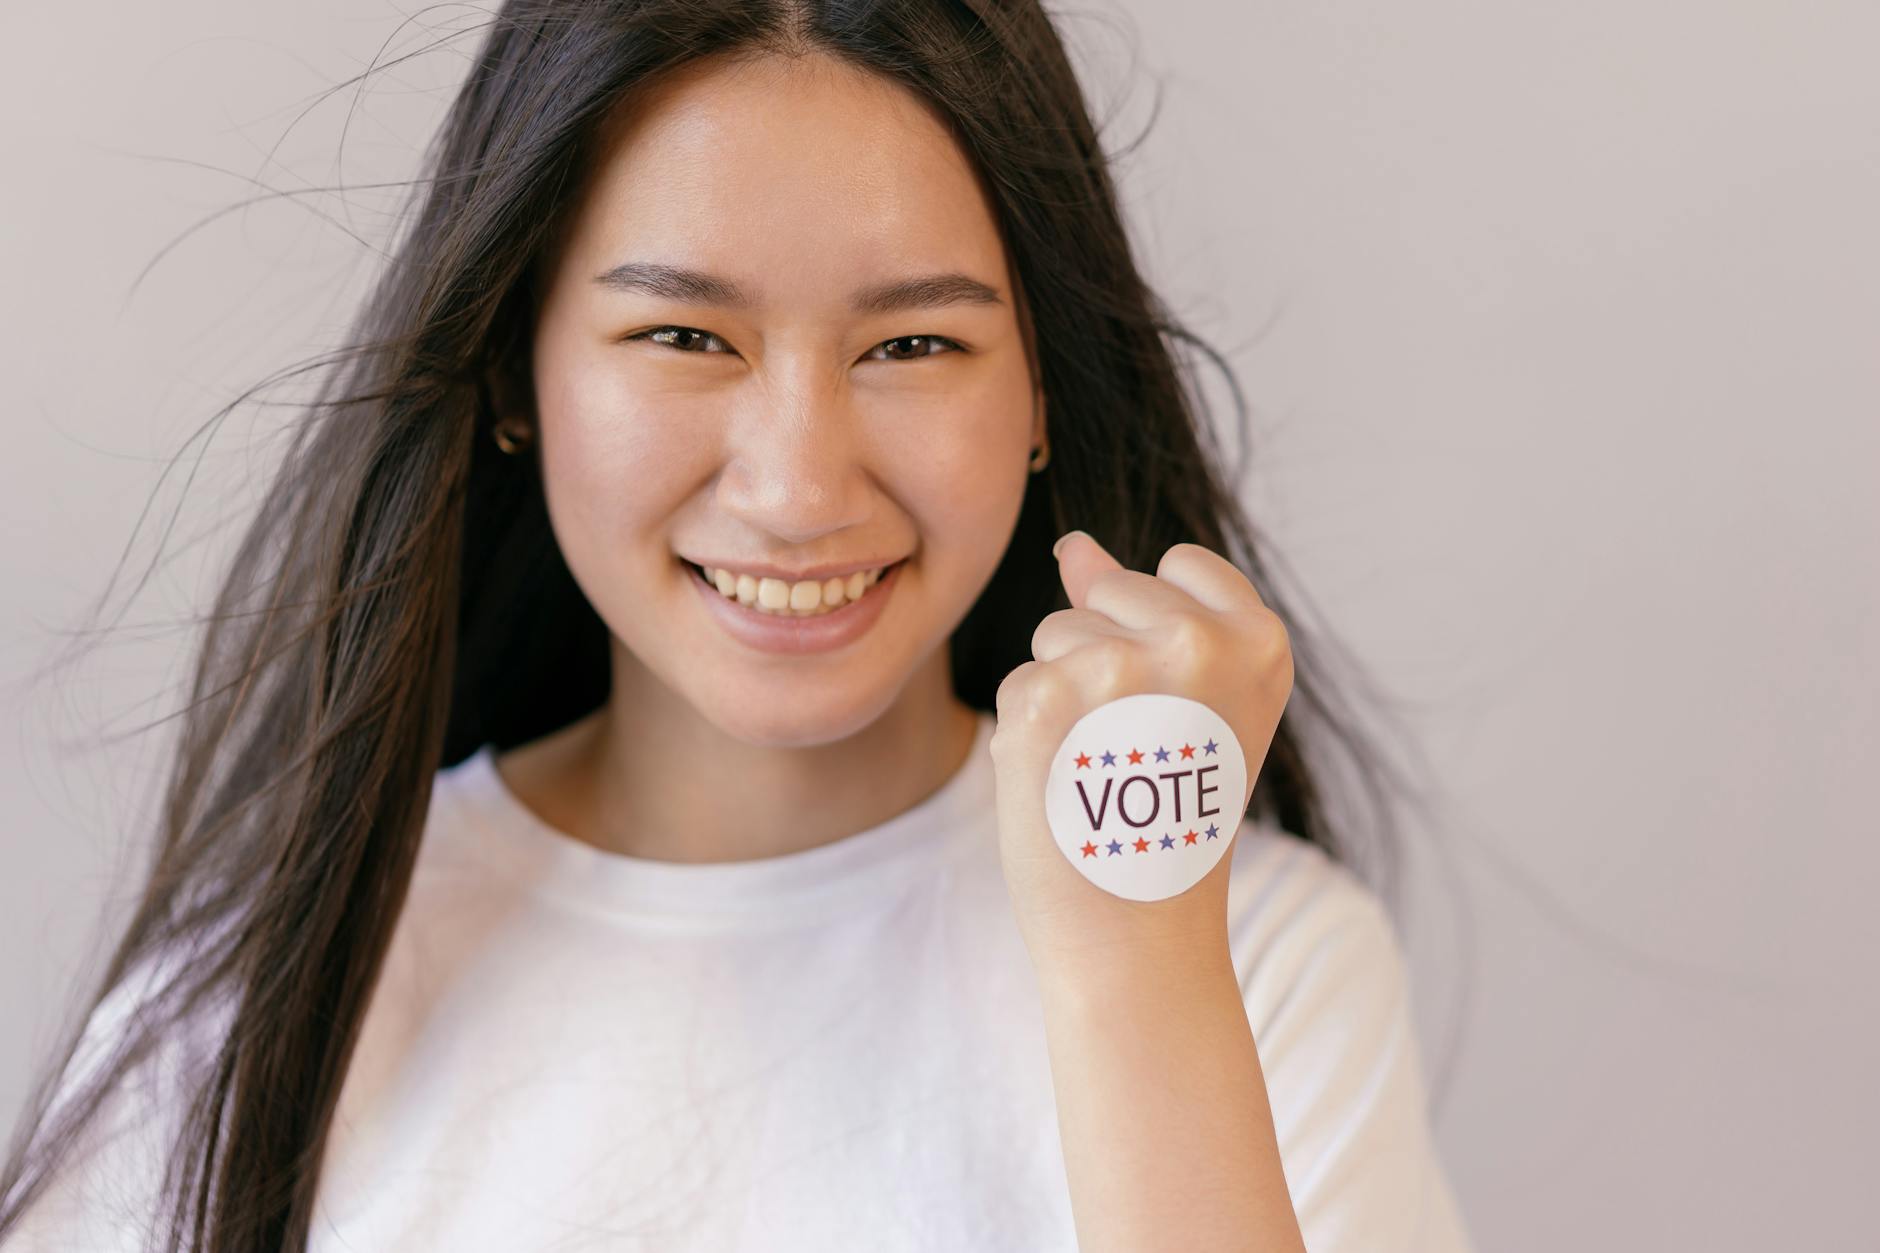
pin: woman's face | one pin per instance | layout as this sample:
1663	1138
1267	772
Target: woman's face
758	387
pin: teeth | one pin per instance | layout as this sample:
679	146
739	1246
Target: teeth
791	600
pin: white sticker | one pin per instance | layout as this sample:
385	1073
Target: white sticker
1145	793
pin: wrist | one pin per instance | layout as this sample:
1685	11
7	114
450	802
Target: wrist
1125	973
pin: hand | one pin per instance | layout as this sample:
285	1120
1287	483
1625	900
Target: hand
1194	628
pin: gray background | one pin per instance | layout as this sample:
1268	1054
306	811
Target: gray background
1562	327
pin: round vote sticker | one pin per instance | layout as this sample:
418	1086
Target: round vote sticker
1145	793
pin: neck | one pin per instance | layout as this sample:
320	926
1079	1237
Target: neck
648	775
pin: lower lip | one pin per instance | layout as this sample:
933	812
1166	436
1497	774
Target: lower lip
778	633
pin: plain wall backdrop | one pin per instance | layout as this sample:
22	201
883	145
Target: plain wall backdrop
1561	329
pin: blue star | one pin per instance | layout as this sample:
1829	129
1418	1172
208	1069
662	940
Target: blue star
1168	842
1161	754
1109	758
1115	848
1211	831
1209	746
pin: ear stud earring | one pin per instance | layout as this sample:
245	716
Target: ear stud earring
512	435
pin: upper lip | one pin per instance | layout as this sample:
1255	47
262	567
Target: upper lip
762	569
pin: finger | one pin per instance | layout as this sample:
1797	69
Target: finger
1080	559
1210	578
1141	601
1064	629
1096	580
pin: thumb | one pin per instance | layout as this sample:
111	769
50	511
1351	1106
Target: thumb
1081	559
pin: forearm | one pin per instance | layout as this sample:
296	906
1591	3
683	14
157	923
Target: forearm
1162	1108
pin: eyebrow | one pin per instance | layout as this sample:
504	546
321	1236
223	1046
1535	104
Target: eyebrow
674	282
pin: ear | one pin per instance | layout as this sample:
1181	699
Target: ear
1037	420
512	395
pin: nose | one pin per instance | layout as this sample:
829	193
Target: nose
793	467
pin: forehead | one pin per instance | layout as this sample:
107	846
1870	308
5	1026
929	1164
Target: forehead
787	176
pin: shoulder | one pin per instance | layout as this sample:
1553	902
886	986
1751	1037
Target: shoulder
1327	991
462	803
1301	925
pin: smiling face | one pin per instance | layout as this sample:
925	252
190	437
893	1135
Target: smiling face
782	337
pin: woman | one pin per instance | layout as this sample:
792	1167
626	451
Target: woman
590	828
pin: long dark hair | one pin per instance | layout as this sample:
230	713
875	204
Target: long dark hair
399	598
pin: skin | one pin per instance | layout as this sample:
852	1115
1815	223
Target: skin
802	444
1143	1013
793	435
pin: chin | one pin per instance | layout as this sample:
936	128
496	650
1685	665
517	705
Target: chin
794	723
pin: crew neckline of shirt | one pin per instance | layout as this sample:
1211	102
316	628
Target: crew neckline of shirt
529	851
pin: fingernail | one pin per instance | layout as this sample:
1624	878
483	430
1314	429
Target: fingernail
1062	538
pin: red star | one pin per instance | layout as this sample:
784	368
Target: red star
1189	838
1090	850
1142	845
1188	750
1134	756
1083	759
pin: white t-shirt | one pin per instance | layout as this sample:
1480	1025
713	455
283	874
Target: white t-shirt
837	1048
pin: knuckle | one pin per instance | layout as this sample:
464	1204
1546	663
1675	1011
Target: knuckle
1006	696
1185	652
1029	693
1274	649
1271	637
1109	663
1188	639
1047	626
1178	555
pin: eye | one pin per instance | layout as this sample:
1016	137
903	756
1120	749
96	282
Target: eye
921	345
681	337
901	348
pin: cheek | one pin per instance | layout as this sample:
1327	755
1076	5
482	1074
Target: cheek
613	464
960	420
961	471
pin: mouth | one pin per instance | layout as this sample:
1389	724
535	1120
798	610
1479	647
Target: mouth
788	599
791	627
